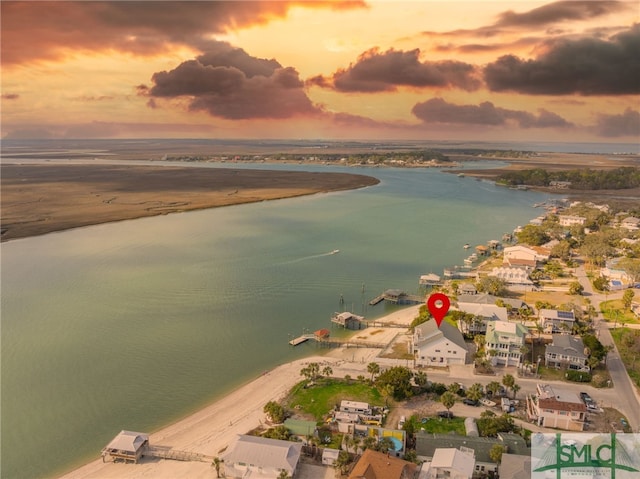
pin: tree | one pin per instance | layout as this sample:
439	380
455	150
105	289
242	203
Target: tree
474	392
495	453
492	285
494	387
448	399
601	283
627	298
575	288
631	266
385	444
342	461
508	381
420	378
515	388
275	412
532	235
561	250
596	348
398	381
369	442
216	463
373	369
284	474
327	371
311	371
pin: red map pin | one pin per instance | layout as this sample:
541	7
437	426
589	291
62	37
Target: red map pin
438	305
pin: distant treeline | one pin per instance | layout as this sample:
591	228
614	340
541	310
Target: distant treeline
581	179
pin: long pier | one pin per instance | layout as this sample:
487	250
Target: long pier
324	342
163	452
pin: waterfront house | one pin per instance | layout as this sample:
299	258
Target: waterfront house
438	346
451	463
467	289
570	220
126	446
512	276
347	320
506	339
525	256
566	352
554	321
378	465
429	279
557	408
261	458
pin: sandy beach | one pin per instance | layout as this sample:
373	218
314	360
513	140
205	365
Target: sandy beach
211	430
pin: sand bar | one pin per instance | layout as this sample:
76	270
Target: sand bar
43	198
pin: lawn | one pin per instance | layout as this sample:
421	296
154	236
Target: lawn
323	397
614	311
438	425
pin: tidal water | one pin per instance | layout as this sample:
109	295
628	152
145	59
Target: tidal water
133	325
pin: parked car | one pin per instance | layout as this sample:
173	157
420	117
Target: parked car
470	402
446	414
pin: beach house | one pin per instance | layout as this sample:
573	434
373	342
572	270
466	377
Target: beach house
126	446
379	465
504	341
482	314
525	256
557	408
566	352
438	346
554	321
451	463
261	458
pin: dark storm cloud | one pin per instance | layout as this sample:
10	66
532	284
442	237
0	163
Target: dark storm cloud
560	12
437	110
626	124
227	82
45	30
587	66
10	96
377	71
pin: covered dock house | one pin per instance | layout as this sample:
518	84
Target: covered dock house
126	446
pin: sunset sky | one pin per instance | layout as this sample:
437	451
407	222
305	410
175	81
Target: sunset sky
432	70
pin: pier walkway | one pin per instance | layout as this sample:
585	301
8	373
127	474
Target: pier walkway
165	452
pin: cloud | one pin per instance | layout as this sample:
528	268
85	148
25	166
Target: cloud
586	66
437	110
377	71
626	124
36	30
227	82
10	96
560	12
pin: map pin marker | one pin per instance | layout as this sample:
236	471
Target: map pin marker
438	305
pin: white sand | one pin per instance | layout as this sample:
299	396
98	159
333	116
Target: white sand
211	430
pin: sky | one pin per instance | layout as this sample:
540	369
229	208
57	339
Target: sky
385	70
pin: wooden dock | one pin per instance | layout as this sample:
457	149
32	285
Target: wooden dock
301	339
163	452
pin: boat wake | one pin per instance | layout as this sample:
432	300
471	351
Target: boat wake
314	256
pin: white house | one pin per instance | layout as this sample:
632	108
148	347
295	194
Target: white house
451	463
570	220
261	458
506	339
525	256
438	346
513	276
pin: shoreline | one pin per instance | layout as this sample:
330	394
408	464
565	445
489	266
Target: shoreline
212	428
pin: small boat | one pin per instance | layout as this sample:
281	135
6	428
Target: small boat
335	251
466	246
487	402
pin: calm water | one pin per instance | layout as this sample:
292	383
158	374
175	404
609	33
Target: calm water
135	324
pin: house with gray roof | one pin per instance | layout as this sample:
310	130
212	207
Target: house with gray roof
555	321
566	352
261	457
483	314
515	466
438	346
427	443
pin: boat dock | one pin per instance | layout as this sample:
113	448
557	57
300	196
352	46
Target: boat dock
396	296
301	339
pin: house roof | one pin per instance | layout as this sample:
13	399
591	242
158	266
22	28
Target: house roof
452	458
378	465
429	332
515	466
558	399
490	311
495	329
427	443
567	345
554	314
127	441
486	298
264	452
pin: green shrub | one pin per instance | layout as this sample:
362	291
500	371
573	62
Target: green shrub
578	376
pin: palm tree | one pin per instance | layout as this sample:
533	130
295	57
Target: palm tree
327	371
373	369
448	400
216	463
494	387
284	475
475	391
515	388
